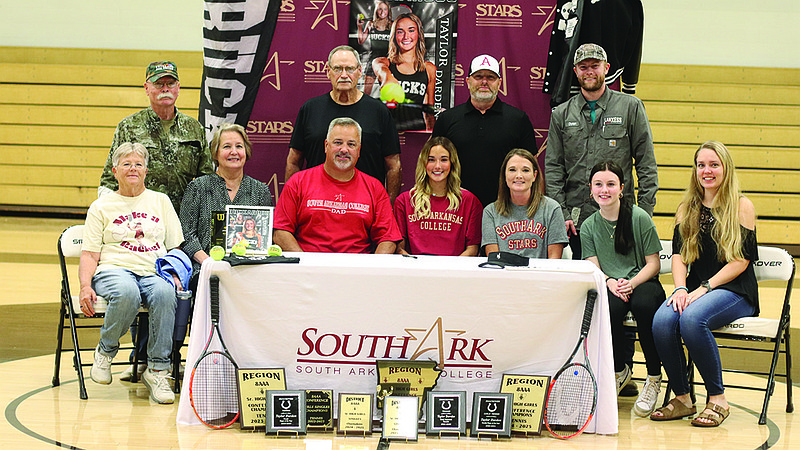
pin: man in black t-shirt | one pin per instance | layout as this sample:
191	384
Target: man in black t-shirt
380	145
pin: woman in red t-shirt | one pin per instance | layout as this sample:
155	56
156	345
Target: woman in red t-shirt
437	216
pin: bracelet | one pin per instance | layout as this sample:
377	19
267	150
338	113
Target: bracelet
679	288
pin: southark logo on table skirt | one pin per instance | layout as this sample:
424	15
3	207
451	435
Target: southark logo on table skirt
334	353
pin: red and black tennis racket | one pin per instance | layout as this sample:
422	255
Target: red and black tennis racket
212	388
572	398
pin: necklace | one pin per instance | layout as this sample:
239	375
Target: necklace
610	228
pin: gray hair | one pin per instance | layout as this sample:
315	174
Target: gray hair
344	48
343	122
126	149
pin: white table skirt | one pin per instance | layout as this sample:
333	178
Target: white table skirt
493	321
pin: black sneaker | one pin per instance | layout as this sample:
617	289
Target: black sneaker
629	390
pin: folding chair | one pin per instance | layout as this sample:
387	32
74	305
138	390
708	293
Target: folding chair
773	264
69	246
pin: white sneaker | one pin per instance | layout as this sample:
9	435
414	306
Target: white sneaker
101	368
646	403
157	381
127	374
623	377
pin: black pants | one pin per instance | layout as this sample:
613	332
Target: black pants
643	302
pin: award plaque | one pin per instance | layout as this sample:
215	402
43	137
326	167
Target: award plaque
446	413
400	418
355	414
406	379
253	385
319	409
286	412
491	414
529	399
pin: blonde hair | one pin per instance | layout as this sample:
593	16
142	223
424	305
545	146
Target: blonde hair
726	228
215	141
419	49
503	205
421	192
388	14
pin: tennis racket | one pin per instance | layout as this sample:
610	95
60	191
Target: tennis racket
572	398
212	388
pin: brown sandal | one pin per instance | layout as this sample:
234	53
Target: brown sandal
717	416
678	411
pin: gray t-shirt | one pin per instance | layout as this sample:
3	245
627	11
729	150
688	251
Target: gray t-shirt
517	233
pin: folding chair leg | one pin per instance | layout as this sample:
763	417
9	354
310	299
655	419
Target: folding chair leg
77	355
176	366
762	418
59	342
789	403
690	376
136	339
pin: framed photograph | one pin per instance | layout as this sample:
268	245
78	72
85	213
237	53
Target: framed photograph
491	414
286	412
251	225
446	413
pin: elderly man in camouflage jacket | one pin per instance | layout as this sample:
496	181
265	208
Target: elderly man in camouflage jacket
176	142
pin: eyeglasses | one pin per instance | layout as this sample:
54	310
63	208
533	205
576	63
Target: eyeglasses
350	69
127	165
161	84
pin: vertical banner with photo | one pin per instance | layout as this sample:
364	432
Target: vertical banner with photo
408	53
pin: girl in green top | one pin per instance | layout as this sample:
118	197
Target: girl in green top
621	240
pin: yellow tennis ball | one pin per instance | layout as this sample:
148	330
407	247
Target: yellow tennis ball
239	249
217	253
274	250
393	92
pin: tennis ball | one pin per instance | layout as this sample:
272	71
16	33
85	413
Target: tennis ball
274	250
393	92
217	253
239	249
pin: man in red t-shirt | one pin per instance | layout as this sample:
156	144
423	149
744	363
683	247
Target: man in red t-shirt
334	207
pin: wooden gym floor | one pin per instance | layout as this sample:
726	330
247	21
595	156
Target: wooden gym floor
38	416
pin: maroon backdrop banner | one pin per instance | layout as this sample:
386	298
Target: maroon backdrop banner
516	32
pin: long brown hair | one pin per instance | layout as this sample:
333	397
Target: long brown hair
503	205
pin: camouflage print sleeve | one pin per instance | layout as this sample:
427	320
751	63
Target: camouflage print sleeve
107	179
206	165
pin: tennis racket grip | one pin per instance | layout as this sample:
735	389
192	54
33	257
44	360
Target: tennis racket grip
591	297
214	302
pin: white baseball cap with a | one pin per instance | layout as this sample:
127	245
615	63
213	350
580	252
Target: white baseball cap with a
484	62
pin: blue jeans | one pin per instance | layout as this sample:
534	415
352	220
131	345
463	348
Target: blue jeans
125	291
711	311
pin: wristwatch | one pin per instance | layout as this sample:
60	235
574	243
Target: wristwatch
706	285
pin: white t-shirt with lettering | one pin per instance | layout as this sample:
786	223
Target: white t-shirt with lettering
131	232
